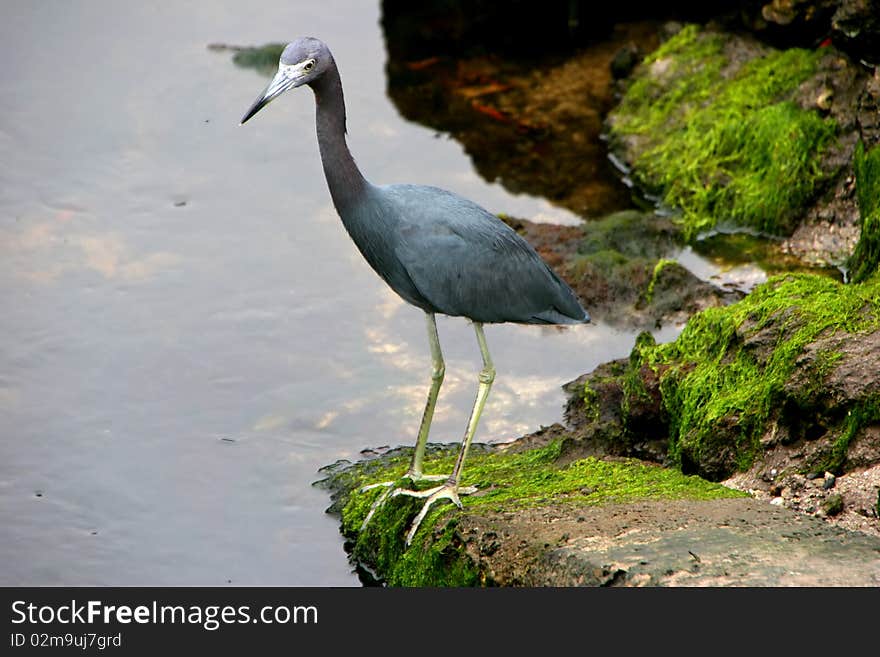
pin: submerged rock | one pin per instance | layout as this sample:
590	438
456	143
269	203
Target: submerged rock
623	268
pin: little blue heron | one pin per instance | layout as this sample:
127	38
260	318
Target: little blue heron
438	251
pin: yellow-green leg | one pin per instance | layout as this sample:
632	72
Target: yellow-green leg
415	473
451	489
438	371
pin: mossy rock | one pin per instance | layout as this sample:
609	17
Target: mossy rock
509	481
711	124
794	363
865	260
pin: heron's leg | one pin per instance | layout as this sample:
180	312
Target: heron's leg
450	490
414	474
487	376
438	371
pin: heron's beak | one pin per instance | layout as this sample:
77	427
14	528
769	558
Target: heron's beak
288	76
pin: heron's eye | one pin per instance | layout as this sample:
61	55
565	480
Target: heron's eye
309	65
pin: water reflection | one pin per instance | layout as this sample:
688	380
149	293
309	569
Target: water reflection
44	251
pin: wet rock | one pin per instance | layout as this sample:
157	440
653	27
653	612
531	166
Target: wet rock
607	414
450	546
829	230
852	25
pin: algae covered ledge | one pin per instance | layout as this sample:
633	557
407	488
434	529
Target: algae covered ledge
508	481
736	372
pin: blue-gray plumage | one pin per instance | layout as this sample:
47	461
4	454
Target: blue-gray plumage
451	256
438	251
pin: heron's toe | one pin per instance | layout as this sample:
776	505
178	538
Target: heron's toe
393	490
381	484
447	491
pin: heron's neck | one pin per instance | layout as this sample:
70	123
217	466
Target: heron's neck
346	183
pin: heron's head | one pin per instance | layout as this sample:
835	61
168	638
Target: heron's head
302	62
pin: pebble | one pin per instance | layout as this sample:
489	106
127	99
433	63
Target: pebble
825	99
777	501
830	479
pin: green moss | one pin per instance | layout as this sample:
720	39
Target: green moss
677	78
635	393
863	414
726	148
506	481
591	402
719	394
866	257
661	264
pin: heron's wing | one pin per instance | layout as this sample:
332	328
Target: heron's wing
466	261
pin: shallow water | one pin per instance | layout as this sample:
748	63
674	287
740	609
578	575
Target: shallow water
188	333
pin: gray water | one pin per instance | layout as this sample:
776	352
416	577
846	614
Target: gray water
188	334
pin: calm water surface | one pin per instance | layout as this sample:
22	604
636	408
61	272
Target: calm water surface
187	331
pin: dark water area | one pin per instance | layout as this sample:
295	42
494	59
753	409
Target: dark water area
188	332
520	30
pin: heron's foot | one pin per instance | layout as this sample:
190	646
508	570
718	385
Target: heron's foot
448	491
393	489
